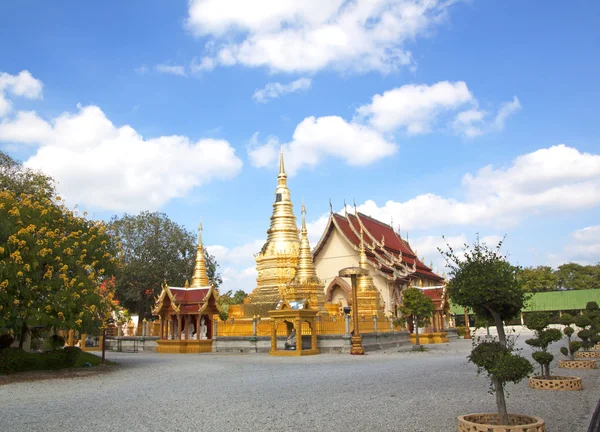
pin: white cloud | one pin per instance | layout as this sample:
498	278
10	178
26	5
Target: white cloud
292	36
237	264
23	84
102	166
414	107
555	179
368	137
475	122
170	69
584	246
275	90
317	138
205	64
143	69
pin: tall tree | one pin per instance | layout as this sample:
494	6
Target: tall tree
52	262
417	305
573	276
482	279
154	249
18	179
539	279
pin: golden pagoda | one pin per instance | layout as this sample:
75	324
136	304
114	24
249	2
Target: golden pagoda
367	296
306	285
277	260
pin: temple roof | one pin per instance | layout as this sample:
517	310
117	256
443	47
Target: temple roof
438	297
386	251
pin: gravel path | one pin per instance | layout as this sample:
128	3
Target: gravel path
413	392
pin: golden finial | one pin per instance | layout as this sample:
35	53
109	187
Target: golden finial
305	271
330	206
281	164
200	278
355	211
187	284
363	255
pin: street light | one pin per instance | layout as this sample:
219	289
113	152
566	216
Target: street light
356	340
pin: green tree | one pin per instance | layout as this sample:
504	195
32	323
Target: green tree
539	279
572	346
589	323
573	276
52	263
154	249
544	336
18	179
483	280
417	305
227	299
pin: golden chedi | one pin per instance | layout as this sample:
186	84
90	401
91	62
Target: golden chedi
367	295
277	260
306	285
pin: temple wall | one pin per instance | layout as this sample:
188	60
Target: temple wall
331	344
335	255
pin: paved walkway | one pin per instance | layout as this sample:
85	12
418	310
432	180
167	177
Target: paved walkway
413	392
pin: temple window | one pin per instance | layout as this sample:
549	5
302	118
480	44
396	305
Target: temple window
278	197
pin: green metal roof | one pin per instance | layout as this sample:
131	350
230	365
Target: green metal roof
553	301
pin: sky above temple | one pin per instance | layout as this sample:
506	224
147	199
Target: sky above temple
446	117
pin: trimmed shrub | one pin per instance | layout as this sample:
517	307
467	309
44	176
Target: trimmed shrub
17	360
461	330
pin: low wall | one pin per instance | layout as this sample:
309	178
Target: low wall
325	343
144	343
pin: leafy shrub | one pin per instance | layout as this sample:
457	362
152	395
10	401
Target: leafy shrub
17	360
499	362
6	340
461	330
544	336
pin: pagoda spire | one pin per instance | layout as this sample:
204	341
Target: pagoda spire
200	278
363	255
283	232
306	270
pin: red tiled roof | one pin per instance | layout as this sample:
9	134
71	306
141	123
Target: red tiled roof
436	295
192	295
393	246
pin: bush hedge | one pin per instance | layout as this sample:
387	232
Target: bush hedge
17	360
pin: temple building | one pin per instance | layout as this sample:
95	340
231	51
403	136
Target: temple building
186	313
392	263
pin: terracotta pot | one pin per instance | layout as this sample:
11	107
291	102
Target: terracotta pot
587	354
577	364
556	383
488	422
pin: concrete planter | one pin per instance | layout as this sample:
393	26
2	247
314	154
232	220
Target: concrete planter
556	383
587	354
577	364
488	422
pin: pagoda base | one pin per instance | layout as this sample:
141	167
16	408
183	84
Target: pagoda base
430	338
184	346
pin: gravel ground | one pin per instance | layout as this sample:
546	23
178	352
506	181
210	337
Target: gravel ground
408	391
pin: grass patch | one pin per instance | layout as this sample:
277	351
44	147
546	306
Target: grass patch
92	359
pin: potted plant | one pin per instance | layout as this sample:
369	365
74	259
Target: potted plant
589	322
483	280
420	307
572	347
544	336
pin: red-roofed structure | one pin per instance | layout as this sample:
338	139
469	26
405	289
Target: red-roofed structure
393	263
186	313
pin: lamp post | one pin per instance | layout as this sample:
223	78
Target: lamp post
356	340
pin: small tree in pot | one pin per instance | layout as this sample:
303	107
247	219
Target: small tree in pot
589	323
544	336
572	346
483	280
419	306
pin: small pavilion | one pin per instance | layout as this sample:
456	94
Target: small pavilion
186	313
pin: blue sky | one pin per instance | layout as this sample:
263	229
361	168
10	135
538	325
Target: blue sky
165	106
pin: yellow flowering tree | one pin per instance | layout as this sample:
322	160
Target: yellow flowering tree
53	265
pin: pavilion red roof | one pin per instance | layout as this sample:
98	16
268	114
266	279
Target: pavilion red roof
437	296
189	295
383	246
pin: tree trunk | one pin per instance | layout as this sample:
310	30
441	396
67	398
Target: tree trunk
499	328
23	335
569	347
501	402
417	343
